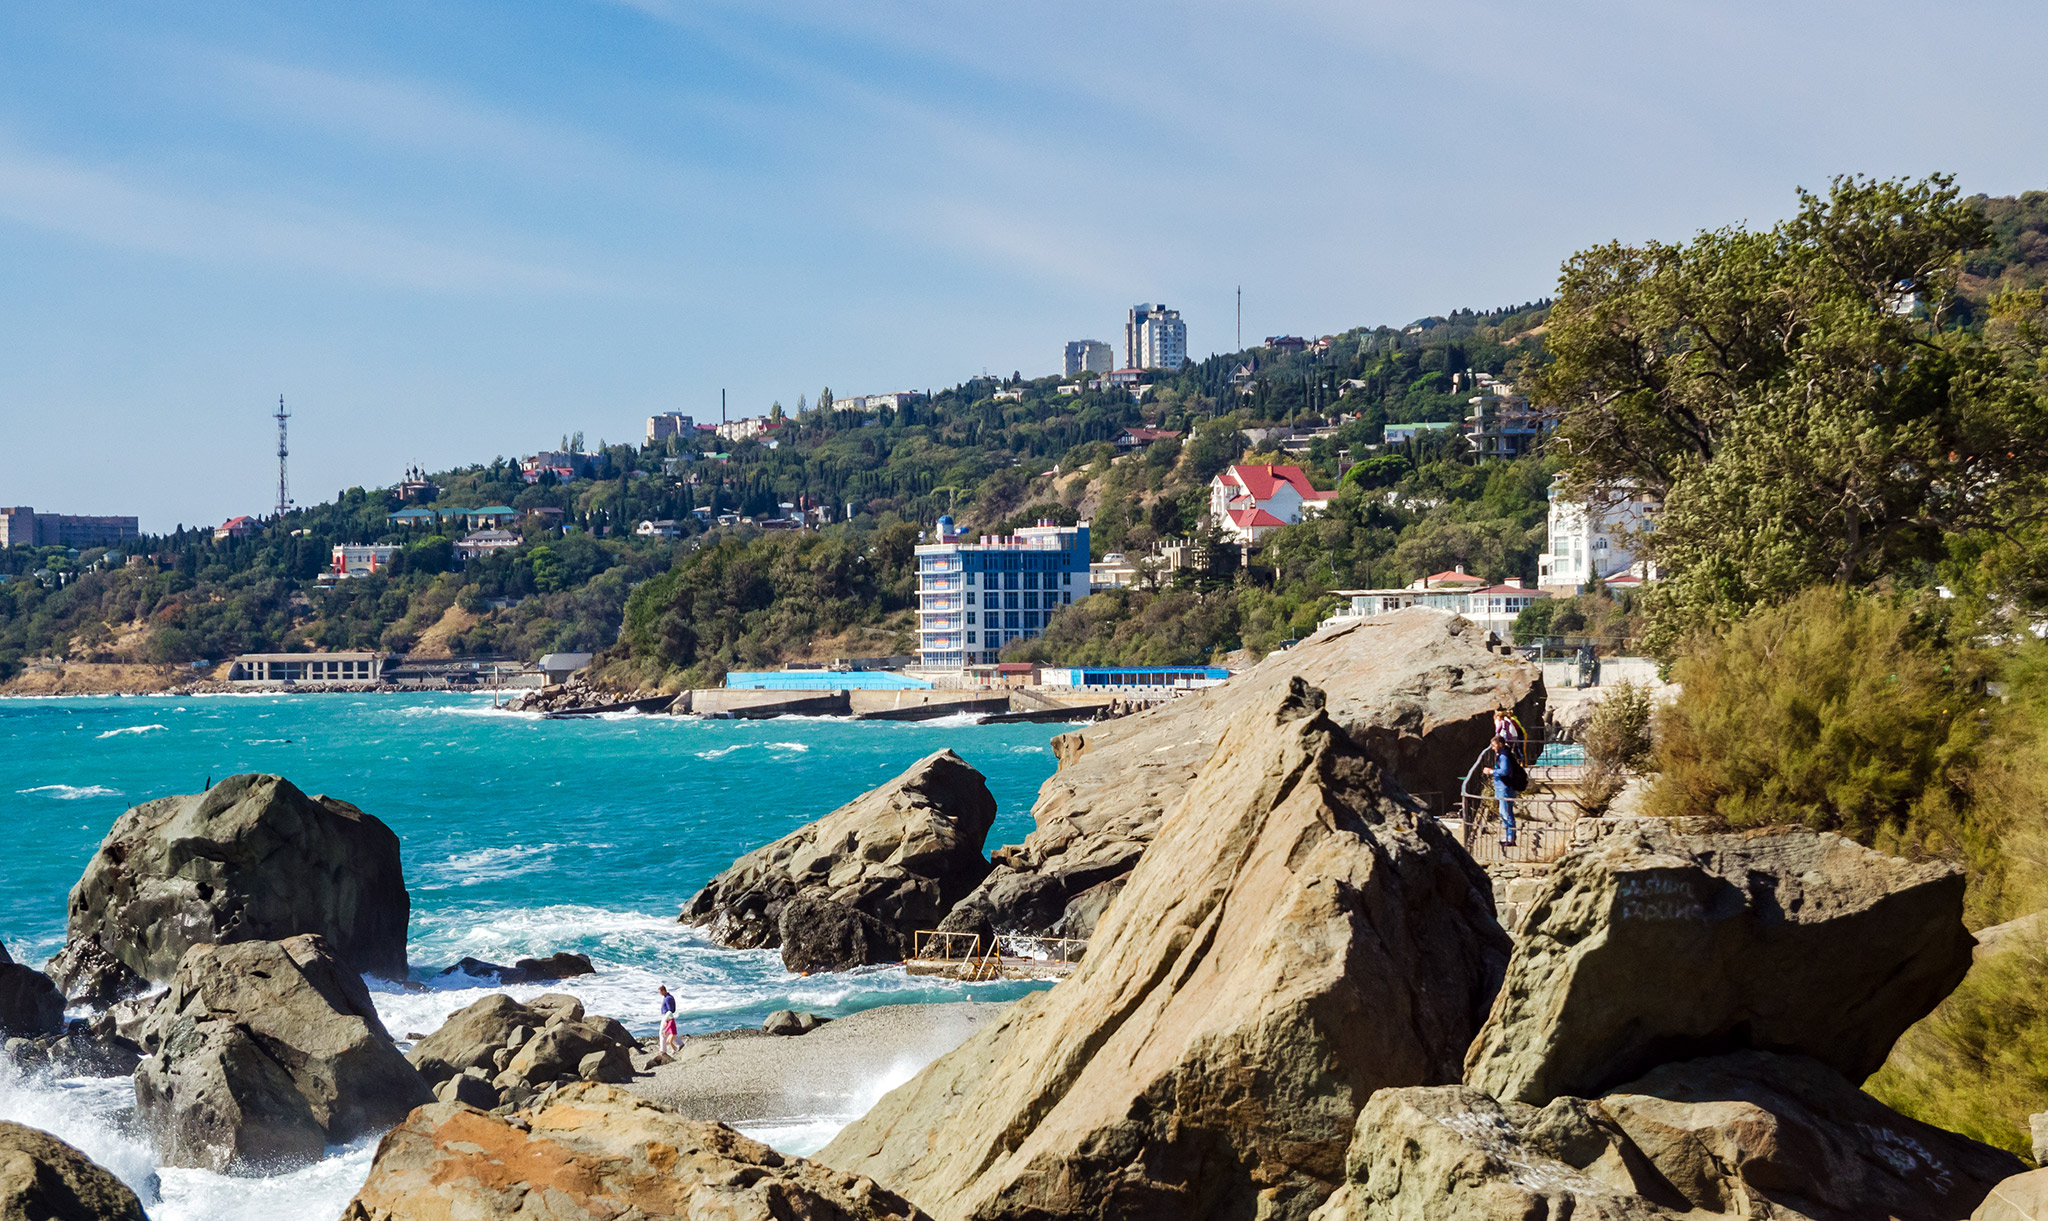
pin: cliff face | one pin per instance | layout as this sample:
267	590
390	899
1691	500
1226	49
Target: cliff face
1415	690
1294	940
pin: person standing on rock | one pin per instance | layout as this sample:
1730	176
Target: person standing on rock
1503	791
669	1042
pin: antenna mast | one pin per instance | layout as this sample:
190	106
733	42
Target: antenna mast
283	500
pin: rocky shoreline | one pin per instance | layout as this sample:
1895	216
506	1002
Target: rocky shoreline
1297	1002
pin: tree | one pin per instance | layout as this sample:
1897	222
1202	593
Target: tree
1803	400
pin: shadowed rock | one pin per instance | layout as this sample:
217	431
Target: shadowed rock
1295	941
870	874
1650	946
30	1005
263	1052
596	1153
1416	689
44	1179
251	859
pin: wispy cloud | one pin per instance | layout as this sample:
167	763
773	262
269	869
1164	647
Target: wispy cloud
115	208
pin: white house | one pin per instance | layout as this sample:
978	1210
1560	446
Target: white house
1248	502
1597	537
1493	607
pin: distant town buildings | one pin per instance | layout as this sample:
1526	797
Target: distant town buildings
666	528
564	466
352	560
415	485
1088	356
669	424
22	526
236	527
1455	591
1138	438
1155	338
1596	538
483	542
303	669
1249	501
1286	344
975	597
1397	433
1501	423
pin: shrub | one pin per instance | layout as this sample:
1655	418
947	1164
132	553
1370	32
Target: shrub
1617	738
1842	711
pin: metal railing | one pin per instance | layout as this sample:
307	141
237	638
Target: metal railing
1016	952
1546	812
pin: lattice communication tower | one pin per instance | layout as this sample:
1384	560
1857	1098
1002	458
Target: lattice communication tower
283	498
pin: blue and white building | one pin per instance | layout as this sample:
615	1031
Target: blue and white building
976	596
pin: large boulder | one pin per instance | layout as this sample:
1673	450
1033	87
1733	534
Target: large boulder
1744	1135
1651	946
499	1050
250	859
1296	940
30	1005
887	864
44	1179
1417	689
473	1035
596	1153
263	1052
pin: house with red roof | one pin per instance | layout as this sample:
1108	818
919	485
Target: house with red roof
1248	501
236	527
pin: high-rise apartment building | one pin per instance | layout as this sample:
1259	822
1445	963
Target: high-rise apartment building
1155	338
1089	356
975	597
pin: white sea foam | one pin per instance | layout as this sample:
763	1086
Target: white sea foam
486	865
795	746
115	733
71	792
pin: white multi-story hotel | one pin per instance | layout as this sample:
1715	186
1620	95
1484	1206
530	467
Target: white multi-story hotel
1155	338
1597	537
976	596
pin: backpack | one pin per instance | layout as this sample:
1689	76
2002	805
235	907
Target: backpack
1518	776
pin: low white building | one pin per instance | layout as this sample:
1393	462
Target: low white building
670	424
483	542
665	528
301	669
1597	537
1454	592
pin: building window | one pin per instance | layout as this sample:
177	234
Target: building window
1010	579
1031	580
1068	597
1030	619
1009	618
1030	601
1067	578
970	597
970	635
1009	601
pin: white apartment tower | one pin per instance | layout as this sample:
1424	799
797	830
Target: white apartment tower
1089	356
1155	338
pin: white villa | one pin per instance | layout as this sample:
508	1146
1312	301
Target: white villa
1598	537
1248	502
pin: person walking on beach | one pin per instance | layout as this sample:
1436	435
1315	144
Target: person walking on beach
669	1042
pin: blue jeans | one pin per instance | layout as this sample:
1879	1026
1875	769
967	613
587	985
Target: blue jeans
1506	797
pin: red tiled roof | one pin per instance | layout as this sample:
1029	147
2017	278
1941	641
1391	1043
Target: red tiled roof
1151	434
1451	576
1263	481
1254	517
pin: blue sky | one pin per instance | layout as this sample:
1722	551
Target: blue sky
451	231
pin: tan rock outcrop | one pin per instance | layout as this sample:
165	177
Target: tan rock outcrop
870	874
2023	1197
597	1153
1417	689
251	859
1649	946
1745	1135
1294	941
44	1179
263	1052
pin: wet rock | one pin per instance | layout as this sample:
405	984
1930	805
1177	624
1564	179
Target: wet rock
44	1179
262	1053
30	1004
251	859
871	873
1416	689
1649	946
596	1153
560	965
471	1036
1296	940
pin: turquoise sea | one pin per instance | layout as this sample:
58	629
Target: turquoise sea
522	836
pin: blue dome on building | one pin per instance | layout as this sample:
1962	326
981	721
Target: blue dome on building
946	525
